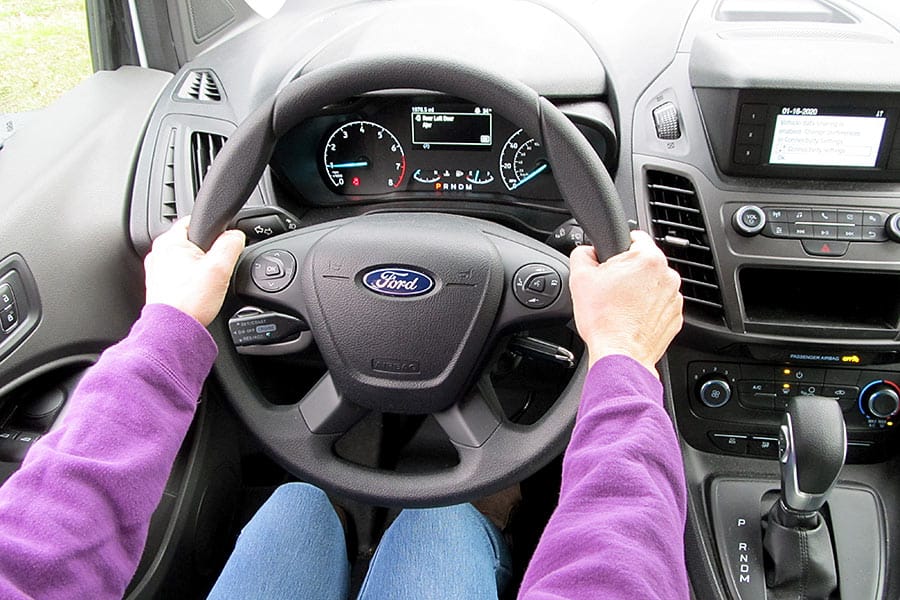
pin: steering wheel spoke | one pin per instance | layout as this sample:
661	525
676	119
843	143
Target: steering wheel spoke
472	420
325	412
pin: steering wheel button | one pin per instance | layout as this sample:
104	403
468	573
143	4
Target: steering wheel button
6	296
273	271
9	318
537	283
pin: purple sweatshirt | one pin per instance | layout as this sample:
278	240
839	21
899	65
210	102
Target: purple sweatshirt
74	518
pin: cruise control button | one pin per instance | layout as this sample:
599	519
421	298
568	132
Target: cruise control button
537	283
825	248
536	286
272	271
736	444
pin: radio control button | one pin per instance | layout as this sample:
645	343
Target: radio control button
801	230
874	218
777	230
893	227
850	233
798	215
820	248
778	215
874	234
825	232
754	113
746	154
749	220
824	216
850	217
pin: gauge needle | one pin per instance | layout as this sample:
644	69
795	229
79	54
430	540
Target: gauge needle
532	175
349	165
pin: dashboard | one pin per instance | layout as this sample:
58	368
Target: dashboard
757	142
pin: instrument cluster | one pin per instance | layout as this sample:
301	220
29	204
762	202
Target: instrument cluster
426	147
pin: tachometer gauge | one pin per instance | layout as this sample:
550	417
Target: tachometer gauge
521	160
362	157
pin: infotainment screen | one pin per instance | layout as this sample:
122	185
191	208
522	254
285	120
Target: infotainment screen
811	136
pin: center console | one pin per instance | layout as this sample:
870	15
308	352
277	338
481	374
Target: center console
776	200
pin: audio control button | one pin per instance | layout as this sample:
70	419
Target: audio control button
749	220
873	218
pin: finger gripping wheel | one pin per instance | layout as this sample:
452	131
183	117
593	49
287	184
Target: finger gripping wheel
511	452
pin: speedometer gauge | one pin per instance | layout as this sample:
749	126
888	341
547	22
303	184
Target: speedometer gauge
521	160
361	157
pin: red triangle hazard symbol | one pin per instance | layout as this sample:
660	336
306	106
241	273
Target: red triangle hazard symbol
826	248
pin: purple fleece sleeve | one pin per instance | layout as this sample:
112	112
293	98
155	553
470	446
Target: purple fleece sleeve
618	529
74	518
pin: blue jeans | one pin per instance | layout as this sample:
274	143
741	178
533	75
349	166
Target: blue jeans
294	548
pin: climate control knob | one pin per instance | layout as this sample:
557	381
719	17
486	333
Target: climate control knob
880	400
715	391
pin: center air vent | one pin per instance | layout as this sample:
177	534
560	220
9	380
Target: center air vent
204	148
679	230
200	85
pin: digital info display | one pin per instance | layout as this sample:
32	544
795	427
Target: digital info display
435	128
803	136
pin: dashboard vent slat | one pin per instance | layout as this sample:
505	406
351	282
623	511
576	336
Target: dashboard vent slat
204	149
201	86
679	229
169	205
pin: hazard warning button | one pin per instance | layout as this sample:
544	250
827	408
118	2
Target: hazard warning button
825	247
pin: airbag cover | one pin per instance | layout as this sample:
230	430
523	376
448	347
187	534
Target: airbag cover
393	340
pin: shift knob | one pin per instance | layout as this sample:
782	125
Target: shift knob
812	446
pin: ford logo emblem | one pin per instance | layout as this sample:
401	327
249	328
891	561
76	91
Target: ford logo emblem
395	281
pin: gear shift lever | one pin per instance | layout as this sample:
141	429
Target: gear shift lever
812	446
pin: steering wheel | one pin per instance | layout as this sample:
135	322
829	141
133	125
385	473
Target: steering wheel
404	306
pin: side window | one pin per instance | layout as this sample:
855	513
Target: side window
44	51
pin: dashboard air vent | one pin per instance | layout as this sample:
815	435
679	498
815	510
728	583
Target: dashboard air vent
169	206
202	86
679	230
204	148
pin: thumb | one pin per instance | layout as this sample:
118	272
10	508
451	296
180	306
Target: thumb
227	248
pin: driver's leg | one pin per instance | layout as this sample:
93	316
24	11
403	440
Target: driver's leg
293	547
439	553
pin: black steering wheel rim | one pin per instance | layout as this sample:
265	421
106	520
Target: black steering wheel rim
512	451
